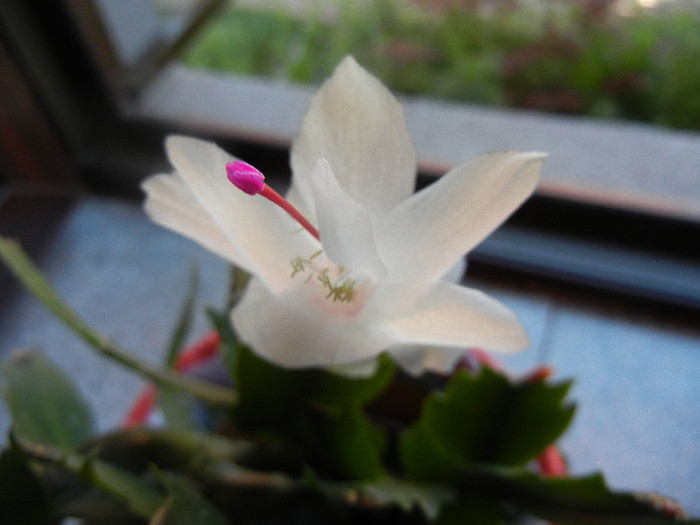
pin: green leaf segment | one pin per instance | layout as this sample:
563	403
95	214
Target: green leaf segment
316	411
484	419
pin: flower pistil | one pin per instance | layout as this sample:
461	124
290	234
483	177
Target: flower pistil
250	180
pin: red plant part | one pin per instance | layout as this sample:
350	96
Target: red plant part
552	463
205	348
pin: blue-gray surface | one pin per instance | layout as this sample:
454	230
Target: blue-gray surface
125	276
636	380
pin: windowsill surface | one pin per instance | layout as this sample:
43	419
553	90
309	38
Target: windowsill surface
636	370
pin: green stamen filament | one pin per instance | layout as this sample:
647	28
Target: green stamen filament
343	289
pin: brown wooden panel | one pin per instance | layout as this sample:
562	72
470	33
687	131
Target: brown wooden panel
31	152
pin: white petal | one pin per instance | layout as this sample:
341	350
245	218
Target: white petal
171	204
425	235
418	359
454	316
263	237
345	226
456	273
357	369
299	328
357	125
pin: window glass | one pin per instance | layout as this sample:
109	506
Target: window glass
607	87
133	26
604	58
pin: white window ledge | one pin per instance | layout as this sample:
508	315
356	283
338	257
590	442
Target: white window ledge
628	165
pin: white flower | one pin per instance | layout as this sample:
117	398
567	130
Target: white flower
375	281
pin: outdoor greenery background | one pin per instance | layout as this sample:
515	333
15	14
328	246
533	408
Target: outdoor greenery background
584	57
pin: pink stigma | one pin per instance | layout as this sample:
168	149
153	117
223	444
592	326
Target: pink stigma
250	180
245	177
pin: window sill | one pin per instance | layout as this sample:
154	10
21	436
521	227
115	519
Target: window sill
618	164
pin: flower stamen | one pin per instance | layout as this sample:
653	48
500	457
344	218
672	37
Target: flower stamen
299	265
343	291
249	179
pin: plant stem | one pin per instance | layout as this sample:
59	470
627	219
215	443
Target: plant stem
31	277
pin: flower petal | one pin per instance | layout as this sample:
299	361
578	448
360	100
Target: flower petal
425	235
345	226
456	273
298	328
263	237
170	203
415	359
450	315
357	125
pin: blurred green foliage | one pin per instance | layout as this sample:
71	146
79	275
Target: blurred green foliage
578	57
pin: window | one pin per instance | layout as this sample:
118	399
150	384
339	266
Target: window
112	93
